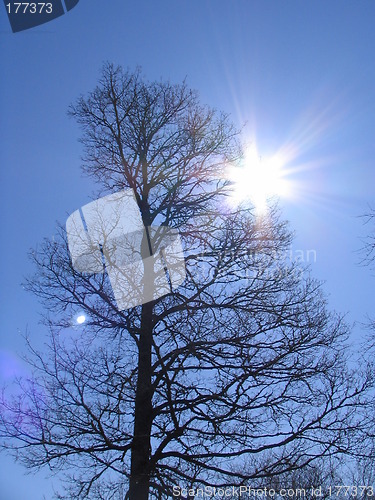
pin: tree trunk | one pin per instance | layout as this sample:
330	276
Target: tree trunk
141	445
140	454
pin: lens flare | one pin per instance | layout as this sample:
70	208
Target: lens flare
81	319
258	180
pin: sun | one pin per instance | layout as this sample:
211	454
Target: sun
258	180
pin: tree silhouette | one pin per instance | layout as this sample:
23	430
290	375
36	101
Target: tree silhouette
239	375
369	247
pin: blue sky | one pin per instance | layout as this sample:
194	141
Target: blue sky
299	75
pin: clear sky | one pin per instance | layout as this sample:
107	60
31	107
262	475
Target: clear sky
299	74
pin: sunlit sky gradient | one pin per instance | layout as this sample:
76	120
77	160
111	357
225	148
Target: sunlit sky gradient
297	76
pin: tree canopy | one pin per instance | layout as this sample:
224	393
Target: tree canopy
240	375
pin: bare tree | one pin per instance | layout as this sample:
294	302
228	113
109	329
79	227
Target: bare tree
326	478
239	375
369	245
365	467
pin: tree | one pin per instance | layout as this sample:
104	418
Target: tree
326	479
239	375
369	250
369	247
366	466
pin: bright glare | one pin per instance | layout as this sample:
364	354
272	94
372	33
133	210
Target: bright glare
81	319
258	180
